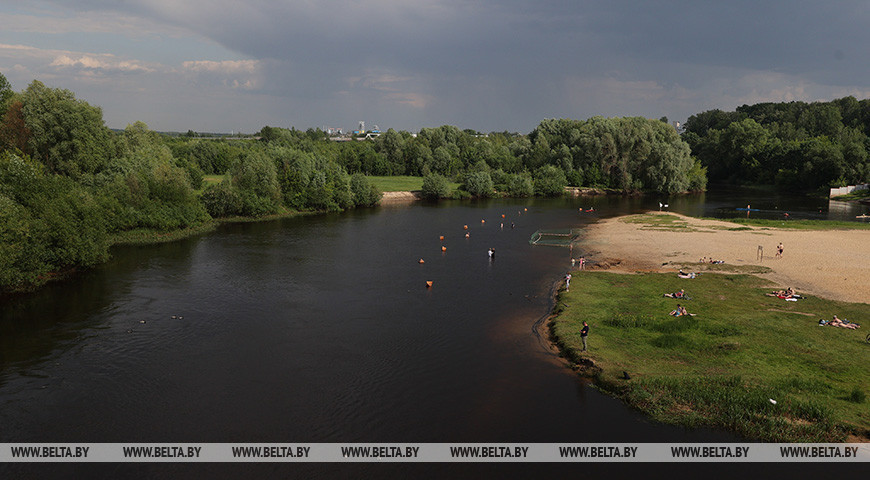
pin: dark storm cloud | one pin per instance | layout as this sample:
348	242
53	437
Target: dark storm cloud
508	64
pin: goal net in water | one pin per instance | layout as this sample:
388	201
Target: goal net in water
555	238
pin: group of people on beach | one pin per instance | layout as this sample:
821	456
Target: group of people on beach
717	262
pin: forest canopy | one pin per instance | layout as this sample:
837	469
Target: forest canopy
798	145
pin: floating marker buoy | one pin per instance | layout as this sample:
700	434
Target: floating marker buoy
141	321
174	316
441	237
421	261
483	221
467	235
525	209
502	215
465	227
428	283
443	249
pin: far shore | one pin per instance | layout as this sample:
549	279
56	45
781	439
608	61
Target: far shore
832	264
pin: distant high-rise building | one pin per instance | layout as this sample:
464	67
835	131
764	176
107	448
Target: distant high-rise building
362	127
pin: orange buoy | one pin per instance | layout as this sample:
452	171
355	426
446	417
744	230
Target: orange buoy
443	249
525	209
502	215
441	237
421	261
483	221
428	283
465	227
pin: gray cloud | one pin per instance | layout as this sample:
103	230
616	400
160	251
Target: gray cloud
494	65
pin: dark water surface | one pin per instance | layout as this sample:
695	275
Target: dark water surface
320	329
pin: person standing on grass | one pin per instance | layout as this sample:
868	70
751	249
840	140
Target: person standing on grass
567	282
584	332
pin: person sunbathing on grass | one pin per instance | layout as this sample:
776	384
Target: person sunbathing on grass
784	294
683	274
836	322
680	294
680	311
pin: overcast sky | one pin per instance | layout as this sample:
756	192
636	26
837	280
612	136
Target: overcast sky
490	65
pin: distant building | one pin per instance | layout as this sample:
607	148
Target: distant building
679	127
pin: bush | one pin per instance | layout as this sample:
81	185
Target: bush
550	181
519	185
435	186
221	200
479	184
365	194
255	180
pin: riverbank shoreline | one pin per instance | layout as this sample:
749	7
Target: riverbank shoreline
693	372
832	264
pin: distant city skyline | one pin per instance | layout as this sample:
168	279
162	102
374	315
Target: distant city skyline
221	65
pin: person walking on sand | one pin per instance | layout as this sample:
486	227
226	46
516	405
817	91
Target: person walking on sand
779	250
584	332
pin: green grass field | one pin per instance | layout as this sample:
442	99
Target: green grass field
723	366
402	183
799	224
212	179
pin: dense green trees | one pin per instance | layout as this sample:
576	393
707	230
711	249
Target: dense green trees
795	144
65	134
628	154
48	223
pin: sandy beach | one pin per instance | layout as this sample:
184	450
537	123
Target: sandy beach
833	264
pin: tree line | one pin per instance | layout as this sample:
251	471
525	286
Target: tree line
807	146
69	185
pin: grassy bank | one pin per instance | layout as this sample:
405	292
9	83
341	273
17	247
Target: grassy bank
798	224
723	366
402	183
143	236
659	221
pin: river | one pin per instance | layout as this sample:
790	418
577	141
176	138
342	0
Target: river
321	329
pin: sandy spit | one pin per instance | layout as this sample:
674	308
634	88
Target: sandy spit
832	264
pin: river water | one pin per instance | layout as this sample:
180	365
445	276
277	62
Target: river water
321	329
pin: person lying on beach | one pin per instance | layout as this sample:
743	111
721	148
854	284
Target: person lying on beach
686	275
680	294
836	322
